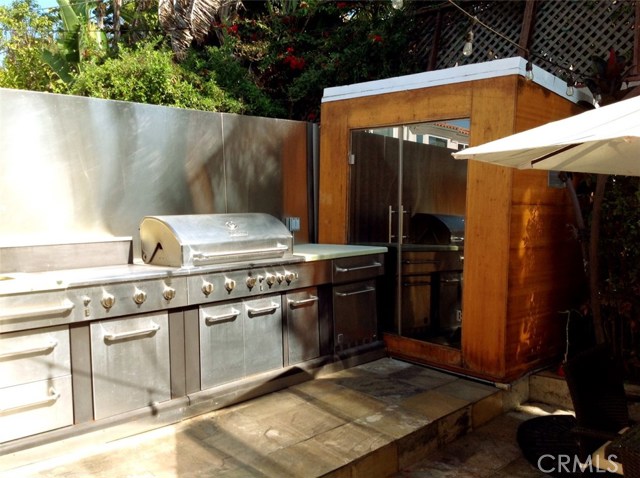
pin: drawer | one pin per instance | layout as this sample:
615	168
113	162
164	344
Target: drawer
427	262
130	363
351	269
36	310
355	314
33	355
35	407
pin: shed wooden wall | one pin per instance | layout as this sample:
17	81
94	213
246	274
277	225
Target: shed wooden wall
521	264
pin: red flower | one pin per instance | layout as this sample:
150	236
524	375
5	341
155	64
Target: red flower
342	5
233	29
376	38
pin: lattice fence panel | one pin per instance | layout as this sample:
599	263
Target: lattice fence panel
570	32
566	32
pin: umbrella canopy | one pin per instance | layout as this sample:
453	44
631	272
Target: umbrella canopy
604	140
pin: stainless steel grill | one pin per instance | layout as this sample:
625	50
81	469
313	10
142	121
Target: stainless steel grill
208	239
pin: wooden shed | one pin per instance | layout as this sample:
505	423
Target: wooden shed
522	265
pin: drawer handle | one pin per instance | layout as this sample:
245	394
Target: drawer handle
134	333
422	261
53	396
26	313
304	302
263	310
375	265
212	319
356	292
416	283
33	351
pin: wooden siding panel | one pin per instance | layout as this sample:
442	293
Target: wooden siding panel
487	233
295	181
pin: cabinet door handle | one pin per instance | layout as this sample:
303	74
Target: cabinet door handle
27	312
53	396
263	310
132	334
356	292
32	351
212	319
359	268
304	302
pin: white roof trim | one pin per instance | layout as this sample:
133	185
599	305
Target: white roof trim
458	74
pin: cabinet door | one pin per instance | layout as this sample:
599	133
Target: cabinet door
263	334
130	358
221	344
355	314
303	336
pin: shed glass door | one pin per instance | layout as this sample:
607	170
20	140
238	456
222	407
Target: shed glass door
398	174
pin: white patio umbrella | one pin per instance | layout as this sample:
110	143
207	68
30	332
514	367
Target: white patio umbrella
604	140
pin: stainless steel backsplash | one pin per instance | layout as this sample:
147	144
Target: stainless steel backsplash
75	168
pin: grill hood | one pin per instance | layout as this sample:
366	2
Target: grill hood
194	240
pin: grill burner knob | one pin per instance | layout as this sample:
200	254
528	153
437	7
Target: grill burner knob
251	282
280	277
107	300
168	293
139	296
229	284
271	279
289	277
207	288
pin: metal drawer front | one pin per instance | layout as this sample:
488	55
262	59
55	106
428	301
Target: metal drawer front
35	407
34	355
350	269
263	334
355	314
302	326
221	344
130	359
30	311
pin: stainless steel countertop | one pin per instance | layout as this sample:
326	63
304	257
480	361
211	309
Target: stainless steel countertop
31	282
318	252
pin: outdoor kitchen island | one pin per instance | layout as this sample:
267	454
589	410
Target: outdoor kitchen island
118	349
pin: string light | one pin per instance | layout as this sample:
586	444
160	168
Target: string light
529	70
468	44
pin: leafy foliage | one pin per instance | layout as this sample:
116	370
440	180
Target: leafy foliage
149	75
620	251
24	33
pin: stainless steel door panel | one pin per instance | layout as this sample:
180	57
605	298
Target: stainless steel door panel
221	344
355	314
34	355
35	407
263	334
130	359
303	336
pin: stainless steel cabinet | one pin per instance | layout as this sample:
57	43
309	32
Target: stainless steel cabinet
221	344
35	382
355	304
130	363
303	335
240	338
